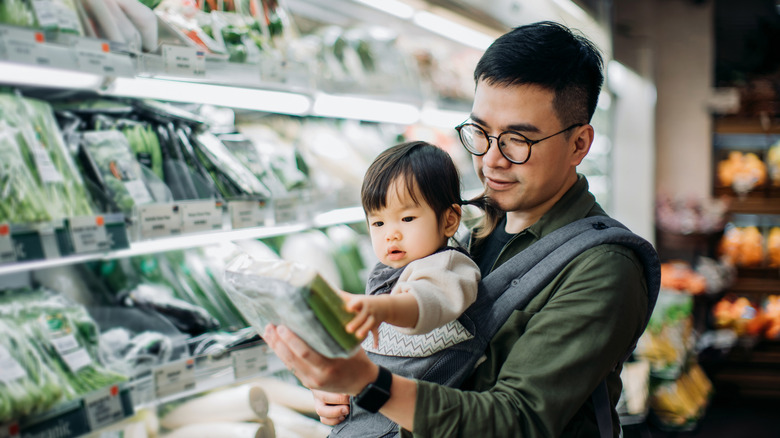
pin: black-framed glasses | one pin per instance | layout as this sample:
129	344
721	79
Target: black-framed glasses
514	146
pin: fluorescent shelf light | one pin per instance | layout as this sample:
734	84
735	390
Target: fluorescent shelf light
442	118
572	8
345	107
178	91
452	30
21	74
392	7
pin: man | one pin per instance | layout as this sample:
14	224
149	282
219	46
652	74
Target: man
536	91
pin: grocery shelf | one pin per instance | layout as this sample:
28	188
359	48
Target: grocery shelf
192	240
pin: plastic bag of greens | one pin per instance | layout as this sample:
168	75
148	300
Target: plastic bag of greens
71	190
23	201
214	151
111	164
293	295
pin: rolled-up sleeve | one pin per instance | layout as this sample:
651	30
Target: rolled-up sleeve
444	284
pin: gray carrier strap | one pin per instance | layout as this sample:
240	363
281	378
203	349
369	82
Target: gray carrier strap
514	284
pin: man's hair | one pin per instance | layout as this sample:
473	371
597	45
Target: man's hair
416	164
551	56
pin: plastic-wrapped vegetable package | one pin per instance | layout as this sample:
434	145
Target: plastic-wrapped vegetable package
23	201
294	295
17	13
27	385
222	160
71	190
68	337
111	164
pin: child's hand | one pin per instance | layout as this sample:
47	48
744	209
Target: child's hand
370	314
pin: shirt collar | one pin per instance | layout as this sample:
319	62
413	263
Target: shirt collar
575	204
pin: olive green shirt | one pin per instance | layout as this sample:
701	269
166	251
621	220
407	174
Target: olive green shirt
544	363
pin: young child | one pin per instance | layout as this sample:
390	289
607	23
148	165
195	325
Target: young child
414	295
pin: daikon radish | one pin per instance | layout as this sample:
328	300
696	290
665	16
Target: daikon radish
144	20
241	403
287	394
289	423
131	34
225	429
104	20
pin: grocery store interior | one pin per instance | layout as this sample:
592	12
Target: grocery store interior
148	147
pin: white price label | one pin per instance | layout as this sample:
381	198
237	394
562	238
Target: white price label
104	407
174	378
185	61
249	362
201	216
77	359
46	13
65	344
142	391
46	169
24	46
7	251
285	210
159	220
10	369
89	234
245	214
93	56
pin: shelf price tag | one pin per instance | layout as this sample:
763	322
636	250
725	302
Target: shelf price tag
174	378
93	56
104	407
160	220
285	210
24	46
201	216
249	362
185	61
88	234
7	251
247	214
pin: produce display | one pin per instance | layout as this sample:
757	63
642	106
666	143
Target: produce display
51	347
773	161
679	404
742	246
742	171
669	339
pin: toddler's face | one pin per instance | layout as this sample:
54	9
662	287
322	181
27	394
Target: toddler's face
404	231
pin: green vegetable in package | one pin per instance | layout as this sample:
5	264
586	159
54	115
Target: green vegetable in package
294	295
23	199
46	157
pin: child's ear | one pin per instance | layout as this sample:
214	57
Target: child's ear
452	220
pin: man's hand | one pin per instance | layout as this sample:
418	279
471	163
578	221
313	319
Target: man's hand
332	408
315	371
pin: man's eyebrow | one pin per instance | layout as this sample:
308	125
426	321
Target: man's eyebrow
521	127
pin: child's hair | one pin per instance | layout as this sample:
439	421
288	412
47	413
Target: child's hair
416	164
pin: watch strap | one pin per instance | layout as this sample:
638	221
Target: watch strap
377	393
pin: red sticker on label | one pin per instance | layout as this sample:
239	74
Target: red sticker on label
5	230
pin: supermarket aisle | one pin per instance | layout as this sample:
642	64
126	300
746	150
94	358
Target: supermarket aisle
725	418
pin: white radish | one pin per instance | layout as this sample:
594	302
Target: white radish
144	20
241	403
287	394
224	429
131	34
104	20
289	423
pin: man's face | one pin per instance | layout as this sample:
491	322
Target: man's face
525	190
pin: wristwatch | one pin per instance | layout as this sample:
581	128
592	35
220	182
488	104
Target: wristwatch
376	394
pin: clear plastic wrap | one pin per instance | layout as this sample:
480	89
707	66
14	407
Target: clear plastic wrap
291	294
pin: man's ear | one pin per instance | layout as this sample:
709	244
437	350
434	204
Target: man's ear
451	220
581	139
